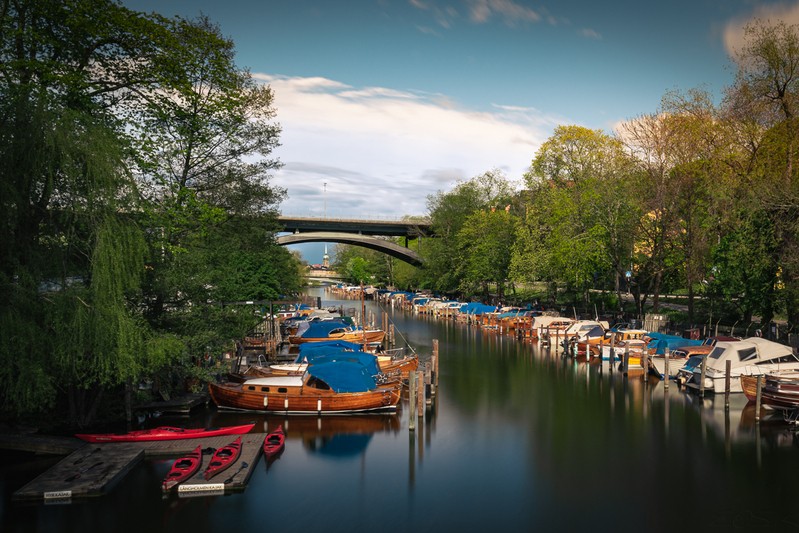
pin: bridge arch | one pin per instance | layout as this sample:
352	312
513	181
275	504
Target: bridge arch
381	245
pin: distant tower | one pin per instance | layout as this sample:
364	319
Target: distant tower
325	258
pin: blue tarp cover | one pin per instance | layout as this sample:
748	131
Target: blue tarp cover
661	340
314	329
326	346
476	308
343	376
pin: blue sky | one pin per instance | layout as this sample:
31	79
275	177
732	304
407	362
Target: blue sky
389	101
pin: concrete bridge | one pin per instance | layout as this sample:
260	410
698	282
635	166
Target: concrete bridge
357	232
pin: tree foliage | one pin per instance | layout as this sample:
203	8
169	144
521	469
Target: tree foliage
134	171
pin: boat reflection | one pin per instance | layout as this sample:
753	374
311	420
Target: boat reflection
335	437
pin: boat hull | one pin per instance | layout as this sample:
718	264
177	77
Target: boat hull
303	400
222	459
274	442
358	337
165	433
183	468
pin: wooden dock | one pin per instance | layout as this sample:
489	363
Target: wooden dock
94	469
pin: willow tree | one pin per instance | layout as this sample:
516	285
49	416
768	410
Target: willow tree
71	255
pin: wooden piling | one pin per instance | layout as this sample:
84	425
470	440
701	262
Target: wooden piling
434	360
727	373
420	400
702	377
667	354
645	362
412	393
626	361
758	397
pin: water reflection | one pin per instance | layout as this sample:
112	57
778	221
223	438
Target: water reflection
519	437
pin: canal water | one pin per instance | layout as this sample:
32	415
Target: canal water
518	438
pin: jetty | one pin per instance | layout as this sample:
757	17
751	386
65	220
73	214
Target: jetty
93	470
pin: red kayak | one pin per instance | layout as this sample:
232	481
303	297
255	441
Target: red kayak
165	433
223	458
183	468
274	442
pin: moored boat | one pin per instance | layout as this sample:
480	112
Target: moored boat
165	433
274	442
325	388
335	330
778	390
222	459
750	356
183	468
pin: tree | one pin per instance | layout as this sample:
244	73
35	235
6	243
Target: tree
484	242
577	226
71	254
448	213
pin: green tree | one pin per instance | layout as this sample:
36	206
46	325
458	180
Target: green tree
485	241
71	254
448	213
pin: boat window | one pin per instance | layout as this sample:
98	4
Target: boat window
282	389
250	387
747	354
317	383
264	389
716	353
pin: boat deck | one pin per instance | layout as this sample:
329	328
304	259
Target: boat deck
94	469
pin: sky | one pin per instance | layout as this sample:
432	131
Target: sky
383	103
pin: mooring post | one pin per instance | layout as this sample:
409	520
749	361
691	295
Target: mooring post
626	362
645	362
412	400
428	382
727	373
667	356
758	397
702	377
420	400
435	364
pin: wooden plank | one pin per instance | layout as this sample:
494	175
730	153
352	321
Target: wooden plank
95	469
89	472
235	478
39	443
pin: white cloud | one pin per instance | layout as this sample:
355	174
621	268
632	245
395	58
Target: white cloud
382	151
482	10
734	37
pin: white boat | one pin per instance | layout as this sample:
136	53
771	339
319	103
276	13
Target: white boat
748	357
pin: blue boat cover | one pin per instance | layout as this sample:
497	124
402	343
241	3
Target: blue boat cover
476	308
318	329
343	376
324	347
660	341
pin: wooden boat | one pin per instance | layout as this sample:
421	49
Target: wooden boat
778	390
309	353
222	459
324	388
165	433
274	443
183	468
343	333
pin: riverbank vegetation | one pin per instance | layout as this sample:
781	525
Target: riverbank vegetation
695	198
136	201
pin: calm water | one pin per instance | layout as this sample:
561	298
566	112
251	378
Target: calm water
519	438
